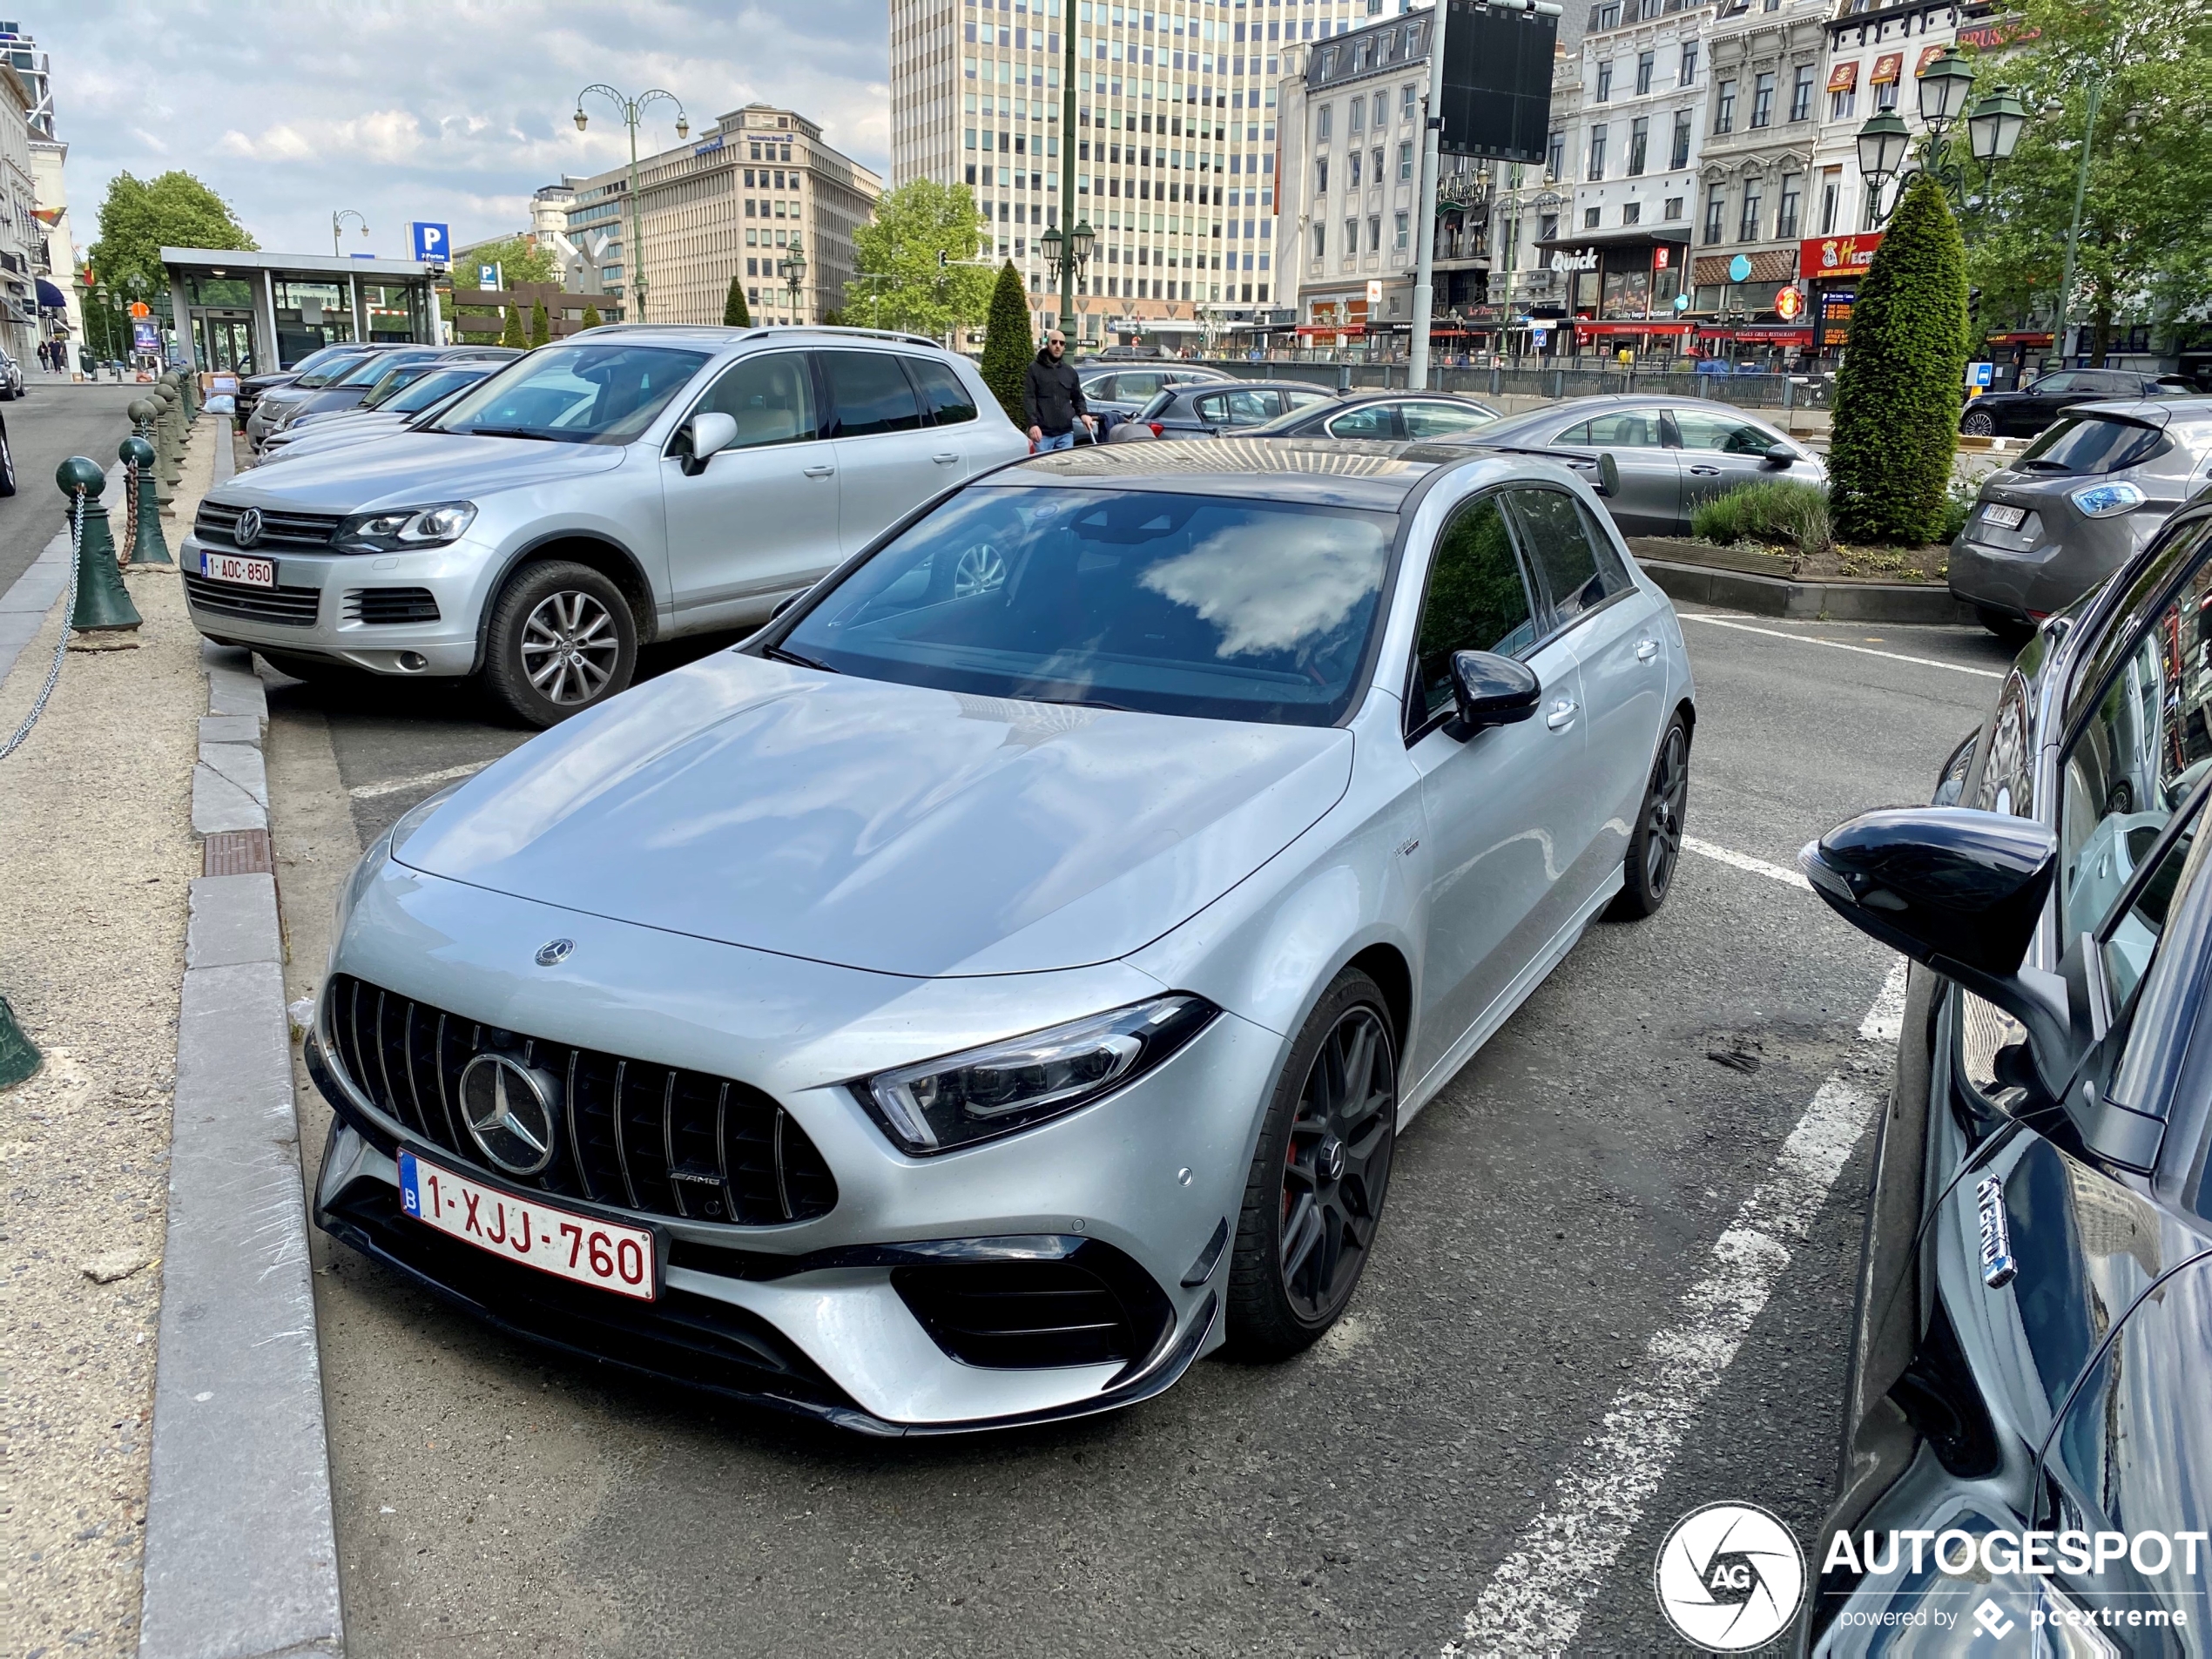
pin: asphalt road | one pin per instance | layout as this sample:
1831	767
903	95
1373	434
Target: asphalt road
1513	1360
52	421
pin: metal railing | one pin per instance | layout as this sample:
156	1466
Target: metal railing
1764	391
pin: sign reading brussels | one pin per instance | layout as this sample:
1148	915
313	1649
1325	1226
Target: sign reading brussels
1837	256
433	245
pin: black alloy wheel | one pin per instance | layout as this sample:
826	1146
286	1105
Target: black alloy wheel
561	638
1313	1200
1979	423
1654	846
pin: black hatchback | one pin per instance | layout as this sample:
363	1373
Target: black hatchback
2027	1425
2035	406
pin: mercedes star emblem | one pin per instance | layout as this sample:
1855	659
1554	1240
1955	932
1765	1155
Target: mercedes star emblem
247	531
553	952
510	1113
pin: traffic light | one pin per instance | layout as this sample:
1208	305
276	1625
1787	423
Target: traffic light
944	258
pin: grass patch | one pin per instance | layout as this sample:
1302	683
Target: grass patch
1770	512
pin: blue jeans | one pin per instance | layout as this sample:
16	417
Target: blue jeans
1052	441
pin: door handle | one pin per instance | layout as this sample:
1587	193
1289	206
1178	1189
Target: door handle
821	472
1646	650
1707	472
1563	714
945	459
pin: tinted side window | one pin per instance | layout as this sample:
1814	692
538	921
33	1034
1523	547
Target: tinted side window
1477	600
872	393
1130	386
1575	435
1374	421
1702	429
1629	429
948	400
1438	420
770	396
1302	399
1561	546
1212	408
1250	408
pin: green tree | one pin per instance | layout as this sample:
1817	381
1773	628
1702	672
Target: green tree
141	217
2146	244
519	260
896	255
592	316
541	329
1897	392
1007	344
734	315
512	335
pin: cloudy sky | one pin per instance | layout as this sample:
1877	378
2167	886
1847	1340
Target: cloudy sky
450	112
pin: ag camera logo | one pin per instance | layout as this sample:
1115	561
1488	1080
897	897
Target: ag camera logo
1730	1577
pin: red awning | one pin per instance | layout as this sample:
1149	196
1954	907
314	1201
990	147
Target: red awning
1887	68
1844	77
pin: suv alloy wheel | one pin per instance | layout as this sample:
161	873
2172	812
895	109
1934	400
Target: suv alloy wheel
561	638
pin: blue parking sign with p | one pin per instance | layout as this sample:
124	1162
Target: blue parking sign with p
432	243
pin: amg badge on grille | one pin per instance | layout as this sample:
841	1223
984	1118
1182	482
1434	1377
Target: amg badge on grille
1997	1263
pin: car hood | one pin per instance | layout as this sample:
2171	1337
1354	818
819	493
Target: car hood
416	467
884	827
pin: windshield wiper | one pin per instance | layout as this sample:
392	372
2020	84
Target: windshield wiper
500	431
792	657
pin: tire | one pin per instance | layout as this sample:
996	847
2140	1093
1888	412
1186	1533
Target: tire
7	466
1319	1177
1978	423
561	640
1654	846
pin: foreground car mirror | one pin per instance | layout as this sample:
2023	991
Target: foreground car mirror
1491	690
1960	892
1777	456
710	432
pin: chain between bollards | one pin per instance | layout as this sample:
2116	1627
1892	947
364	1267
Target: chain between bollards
61	645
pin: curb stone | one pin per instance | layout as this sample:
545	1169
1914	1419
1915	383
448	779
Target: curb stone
241	1556
1768	596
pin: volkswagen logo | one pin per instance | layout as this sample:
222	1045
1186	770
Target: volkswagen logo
247	531
509	1109
553	952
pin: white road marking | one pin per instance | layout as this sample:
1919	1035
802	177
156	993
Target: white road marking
1535	1599
1744	861
401	785
1838	644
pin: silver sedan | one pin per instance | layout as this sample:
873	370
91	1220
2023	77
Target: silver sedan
1674	453
1005	978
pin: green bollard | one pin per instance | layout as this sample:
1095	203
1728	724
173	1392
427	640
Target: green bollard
19	1059
147	546
168	468
103	604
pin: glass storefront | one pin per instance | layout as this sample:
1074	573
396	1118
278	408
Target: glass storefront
310	315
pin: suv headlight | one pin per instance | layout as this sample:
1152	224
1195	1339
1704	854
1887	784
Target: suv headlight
1002	1087
405	528
2104	501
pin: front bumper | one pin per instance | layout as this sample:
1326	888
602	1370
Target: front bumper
323	606
824	1315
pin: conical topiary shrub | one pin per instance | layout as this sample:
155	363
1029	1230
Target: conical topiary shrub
734	312
512	333
1897	392
1008	345
540	328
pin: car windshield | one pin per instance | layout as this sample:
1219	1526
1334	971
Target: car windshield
1222	608
387	385
315	361
326	375
370	370
418	394
595	394
2087	443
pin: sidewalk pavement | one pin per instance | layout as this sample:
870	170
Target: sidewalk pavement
96	851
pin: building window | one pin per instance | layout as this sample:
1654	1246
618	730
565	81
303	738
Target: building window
1320	243
1632	212
1801	94
1358	112
1639	141
1785	212
1590	217
1375	233
1673	208
1843	104
1597	152
1747	224
1382	110
1556	158
1645	63
1762	99
1724	108
1405	162
1350	239
1321	175
1688	73
1407	100
1321	123
1830	188
1605	80
1355	168
1680	154
1715	203
1886	95
1548	227
1398	233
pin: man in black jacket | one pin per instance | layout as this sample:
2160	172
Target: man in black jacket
1052	398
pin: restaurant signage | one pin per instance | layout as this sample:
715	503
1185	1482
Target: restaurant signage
1837	256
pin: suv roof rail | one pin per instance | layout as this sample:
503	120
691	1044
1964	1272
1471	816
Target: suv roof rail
755	333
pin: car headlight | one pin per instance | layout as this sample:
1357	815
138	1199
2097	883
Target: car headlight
1002	1087
2104	501
405	528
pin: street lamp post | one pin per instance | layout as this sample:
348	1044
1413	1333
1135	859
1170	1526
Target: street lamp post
631	109
1992	128
1066	274
794	270
1067	255
336	220
2074	225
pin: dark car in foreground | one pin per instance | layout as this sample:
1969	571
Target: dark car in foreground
2079	501
2028	1447
2035	406
1383	417
1207	411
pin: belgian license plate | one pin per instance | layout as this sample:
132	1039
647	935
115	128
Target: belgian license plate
2003	518
230	567
553	1240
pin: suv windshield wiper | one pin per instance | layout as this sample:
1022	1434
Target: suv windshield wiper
783	656
501	432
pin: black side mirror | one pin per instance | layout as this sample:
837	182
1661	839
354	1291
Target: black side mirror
1608	474
1777	456
1960	892
1491	690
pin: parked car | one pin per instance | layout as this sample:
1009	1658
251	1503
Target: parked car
413	401
272	406
633	484
1674	453
2035	406
1117	392
11	386
1208	410
386	370
251	388
2078	503
1389	417
7	463
2034	1319
1005	978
